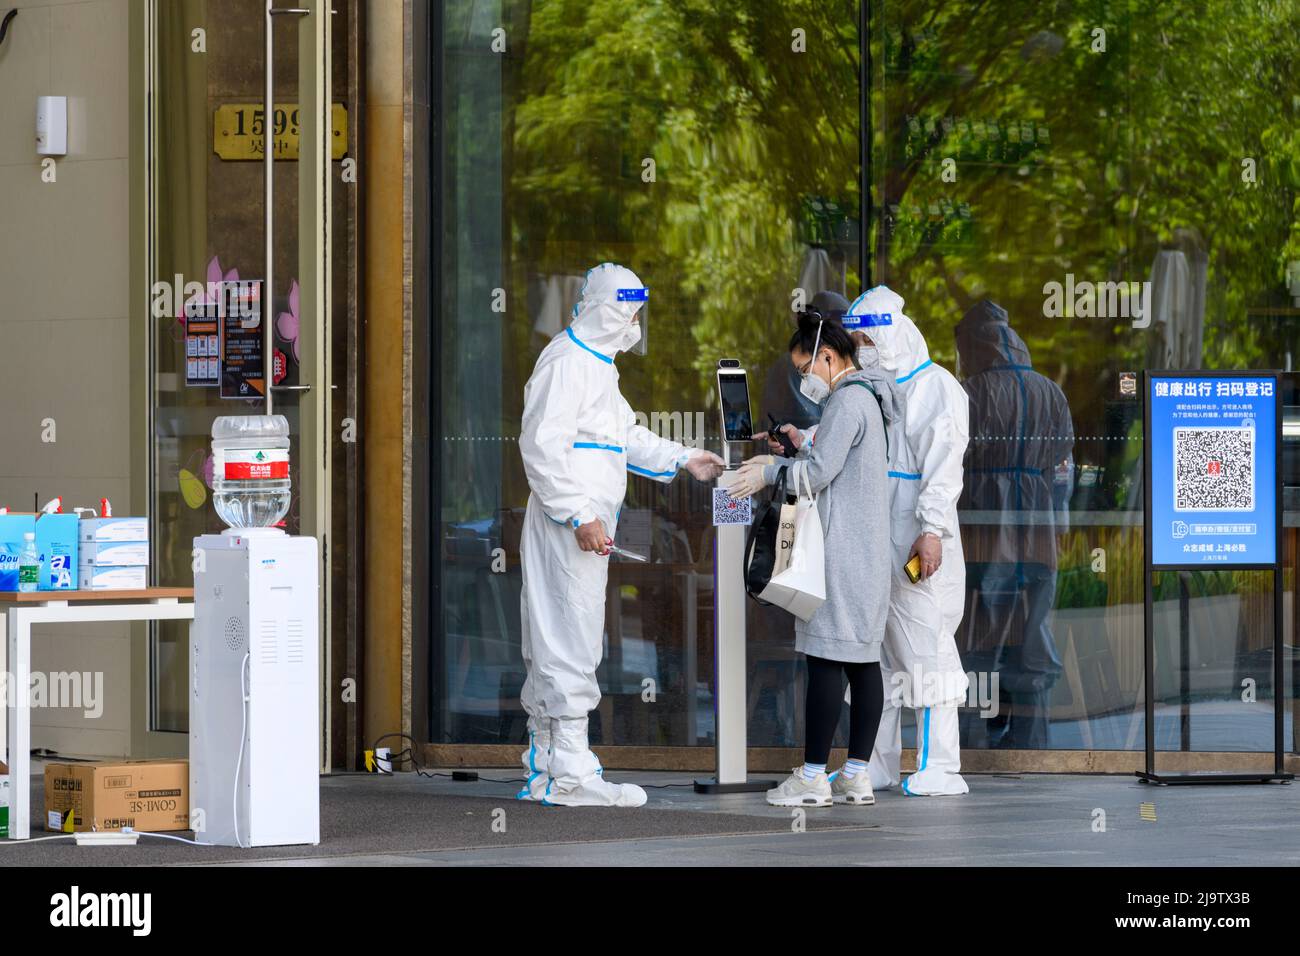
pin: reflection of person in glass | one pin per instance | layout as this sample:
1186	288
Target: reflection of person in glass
579	439
1018	475
781	396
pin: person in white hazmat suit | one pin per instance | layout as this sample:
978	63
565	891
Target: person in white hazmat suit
579	440
919	663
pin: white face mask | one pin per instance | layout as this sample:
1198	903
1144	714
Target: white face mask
868	356
631	335
811	386
814	388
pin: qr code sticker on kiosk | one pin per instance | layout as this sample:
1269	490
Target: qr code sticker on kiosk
1214	469
729	510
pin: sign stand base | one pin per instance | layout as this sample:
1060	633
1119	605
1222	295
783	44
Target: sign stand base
1177	779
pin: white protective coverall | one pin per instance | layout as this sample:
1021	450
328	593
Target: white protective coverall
578	442
920	664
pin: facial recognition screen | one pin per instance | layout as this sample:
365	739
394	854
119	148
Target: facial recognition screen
733	391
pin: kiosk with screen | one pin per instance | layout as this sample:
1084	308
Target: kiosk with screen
730	698
1212	493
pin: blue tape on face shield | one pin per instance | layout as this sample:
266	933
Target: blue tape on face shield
868	320
633	295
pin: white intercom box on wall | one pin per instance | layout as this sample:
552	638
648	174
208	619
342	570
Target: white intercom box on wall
52	125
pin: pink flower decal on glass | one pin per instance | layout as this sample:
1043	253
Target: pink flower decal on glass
287	322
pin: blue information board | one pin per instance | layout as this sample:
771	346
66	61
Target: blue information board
1213	451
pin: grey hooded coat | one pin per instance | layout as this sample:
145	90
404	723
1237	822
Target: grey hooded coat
845	464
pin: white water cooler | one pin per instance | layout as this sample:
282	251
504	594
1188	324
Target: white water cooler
254	707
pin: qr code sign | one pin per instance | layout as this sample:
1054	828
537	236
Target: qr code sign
729	510
1214	469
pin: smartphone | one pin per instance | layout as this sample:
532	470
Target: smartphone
733	398
913	569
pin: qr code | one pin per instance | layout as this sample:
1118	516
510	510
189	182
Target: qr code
729	510
1214	469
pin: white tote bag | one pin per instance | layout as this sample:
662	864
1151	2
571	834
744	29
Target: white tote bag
801	587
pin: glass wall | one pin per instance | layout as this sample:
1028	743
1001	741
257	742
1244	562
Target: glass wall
1030	161
1027	162
207	204
713	150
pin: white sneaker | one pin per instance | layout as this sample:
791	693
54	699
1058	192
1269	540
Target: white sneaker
795	791
855	791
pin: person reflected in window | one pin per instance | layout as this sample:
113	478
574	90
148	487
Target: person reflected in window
1019	475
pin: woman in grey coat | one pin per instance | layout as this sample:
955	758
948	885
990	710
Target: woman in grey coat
845	466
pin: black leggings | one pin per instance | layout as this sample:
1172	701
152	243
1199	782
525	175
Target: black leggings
825	700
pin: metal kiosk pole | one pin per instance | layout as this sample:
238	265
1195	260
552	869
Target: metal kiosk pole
730	732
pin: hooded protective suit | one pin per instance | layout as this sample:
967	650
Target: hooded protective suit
1020	474
920	664
578	442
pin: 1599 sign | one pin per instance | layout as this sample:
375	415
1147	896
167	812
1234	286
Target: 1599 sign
239	131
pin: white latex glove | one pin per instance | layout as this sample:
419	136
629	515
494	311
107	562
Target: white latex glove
748	481
705	466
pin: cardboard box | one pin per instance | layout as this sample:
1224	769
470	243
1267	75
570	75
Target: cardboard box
113	554
114	529
146	795
112	579
56	541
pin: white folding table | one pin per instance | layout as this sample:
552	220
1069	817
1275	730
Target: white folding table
61	607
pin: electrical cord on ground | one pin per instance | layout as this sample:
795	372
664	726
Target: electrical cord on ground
73	836
663	786
407	756
169	836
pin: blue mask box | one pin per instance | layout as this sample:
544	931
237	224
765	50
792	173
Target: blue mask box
56	540
12	529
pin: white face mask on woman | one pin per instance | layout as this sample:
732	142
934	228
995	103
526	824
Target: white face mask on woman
868	356
814	388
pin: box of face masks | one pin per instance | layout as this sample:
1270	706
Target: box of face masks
114	529
112	579
56	542
113	554
12	529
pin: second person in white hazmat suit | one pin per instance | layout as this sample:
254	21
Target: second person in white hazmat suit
920	664
579	440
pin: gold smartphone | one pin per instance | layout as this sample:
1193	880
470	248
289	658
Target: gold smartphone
913	569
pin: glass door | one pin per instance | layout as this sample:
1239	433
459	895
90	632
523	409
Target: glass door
208	229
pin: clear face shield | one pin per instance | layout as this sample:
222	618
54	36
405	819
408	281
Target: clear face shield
639	301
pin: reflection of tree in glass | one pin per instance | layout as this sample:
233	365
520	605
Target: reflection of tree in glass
742	130
1075	160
